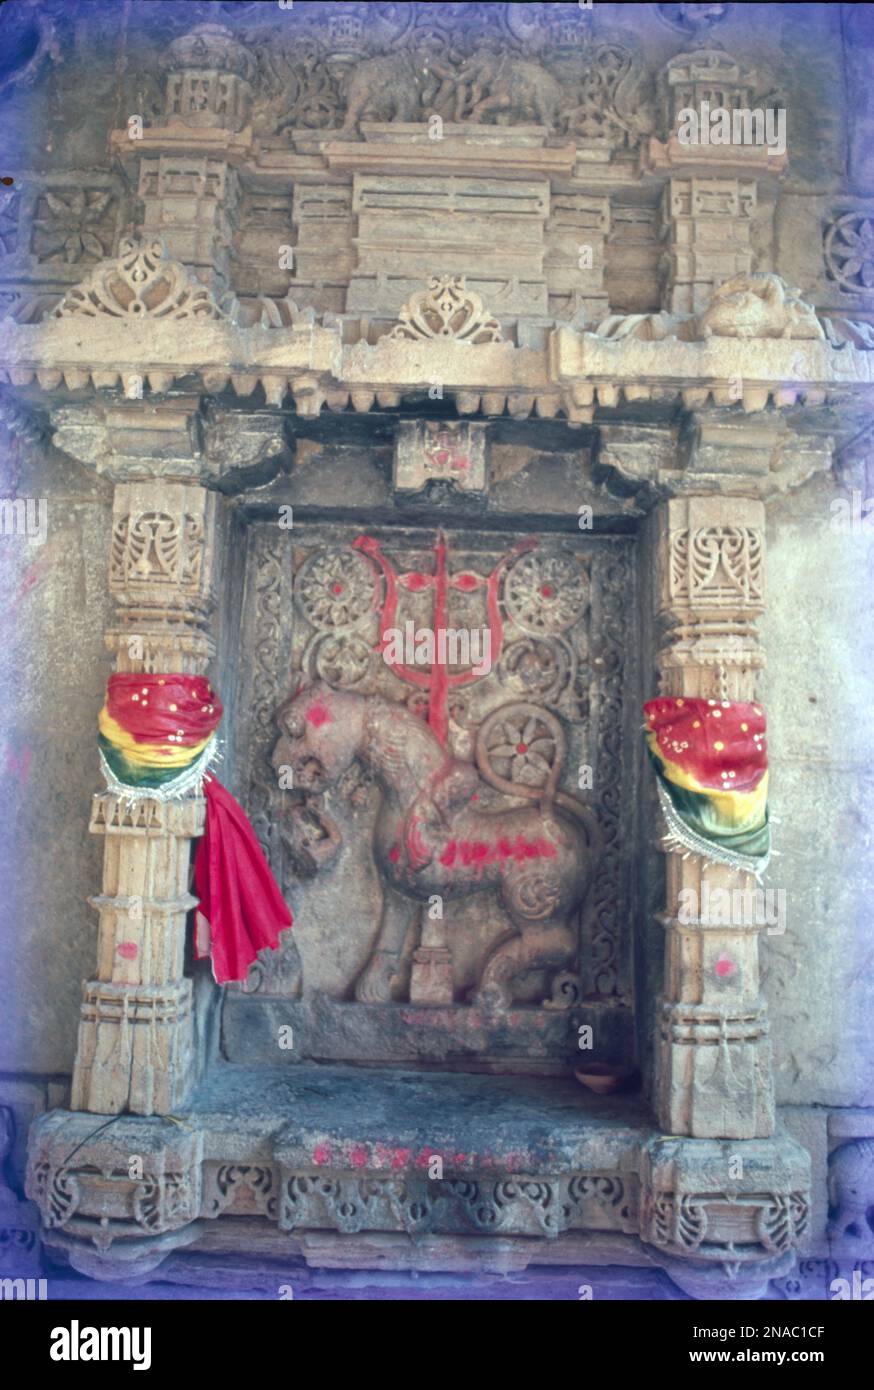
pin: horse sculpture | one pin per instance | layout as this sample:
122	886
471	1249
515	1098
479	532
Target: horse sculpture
432	838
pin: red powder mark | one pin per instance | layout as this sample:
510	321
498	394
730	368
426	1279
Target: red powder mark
401	1157
466	582
480	852
318	714
128	950
358	1156
725	966
547	590
336	588
521	747
322	1153
394	853
416	581
474	796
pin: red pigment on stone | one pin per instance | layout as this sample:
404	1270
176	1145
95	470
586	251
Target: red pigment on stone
480	852
725	966
128	950
358	1156
318	714
322	1153
394	853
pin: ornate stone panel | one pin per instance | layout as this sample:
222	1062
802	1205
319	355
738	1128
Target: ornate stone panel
558	678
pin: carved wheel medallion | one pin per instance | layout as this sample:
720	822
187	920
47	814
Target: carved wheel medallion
545	594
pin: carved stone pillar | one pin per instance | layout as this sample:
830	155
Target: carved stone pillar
135	1047
715	1073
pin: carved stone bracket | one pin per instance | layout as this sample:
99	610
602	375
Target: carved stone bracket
731	1204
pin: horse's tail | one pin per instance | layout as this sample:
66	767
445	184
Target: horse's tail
587	819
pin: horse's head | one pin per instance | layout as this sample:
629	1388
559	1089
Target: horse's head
320	734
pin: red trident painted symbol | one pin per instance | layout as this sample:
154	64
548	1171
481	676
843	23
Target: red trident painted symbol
436	679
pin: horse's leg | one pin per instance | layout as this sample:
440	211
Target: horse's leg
374	983
546	945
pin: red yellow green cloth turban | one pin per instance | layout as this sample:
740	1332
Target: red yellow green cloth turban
157	740
711	760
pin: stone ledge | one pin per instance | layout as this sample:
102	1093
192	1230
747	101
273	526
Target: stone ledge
422	1154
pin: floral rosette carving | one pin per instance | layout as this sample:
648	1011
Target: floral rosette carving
545	593
335	589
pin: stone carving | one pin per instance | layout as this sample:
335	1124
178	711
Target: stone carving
440	458
300	91
695	1224
10	208
692	1207
848	247
496	86
841	333
98	1199
237	1185
694	18
30	38
539	67
209	79
545	594
718	565
429	839
19	1221
758	306
544	1206
746	306
851	1192
74	226
141	283
389	87
447	309
157	553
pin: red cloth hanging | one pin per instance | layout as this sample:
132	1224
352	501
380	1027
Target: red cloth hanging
241	906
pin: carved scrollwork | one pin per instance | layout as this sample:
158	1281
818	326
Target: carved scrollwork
141	283
720	566
539	668
342	660
447	309
160	1203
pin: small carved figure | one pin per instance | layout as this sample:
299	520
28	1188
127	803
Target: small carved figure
758	306
851	1191
432	838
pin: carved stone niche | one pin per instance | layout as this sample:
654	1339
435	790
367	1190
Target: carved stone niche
460	897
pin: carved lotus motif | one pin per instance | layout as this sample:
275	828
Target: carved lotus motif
849	252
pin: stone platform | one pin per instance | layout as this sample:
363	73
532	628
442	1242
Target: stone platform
345	1166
